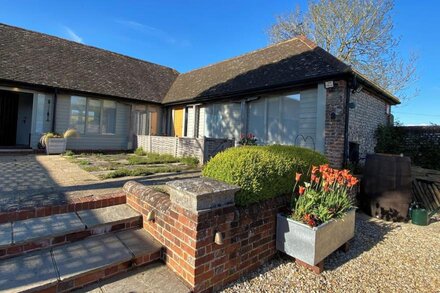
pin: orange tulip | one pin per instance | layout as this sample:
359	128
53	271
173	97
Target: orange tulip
301	190
297	177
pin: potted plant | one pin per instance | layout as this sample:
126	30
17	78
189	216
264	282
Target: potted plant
55	143
248	139
322	217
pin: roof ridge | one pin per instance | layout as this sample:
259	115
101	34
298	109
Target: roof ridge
88	46
244	54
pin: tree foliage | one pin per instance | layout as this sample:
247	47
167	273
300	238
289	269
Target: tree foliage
358	32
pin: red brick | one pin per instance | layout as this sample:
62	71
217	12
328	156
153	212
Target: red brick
89	278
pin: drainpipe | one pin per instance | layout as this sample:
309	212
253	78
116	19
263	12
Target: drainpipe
54	111
347	114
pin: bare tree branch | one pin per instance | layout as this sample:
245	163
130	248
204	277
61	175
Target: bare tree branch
358	32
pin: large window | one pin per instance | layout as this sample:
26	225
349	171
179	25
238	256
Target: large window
78	113
109	117
92	115
275	119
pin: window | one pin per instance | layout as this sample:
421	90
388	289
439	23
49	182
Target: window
109	117
78	113
93	116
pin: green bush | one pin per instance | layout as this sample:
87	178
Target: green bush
262	172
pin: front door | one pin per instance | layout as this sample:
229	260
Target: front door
8	117
178	122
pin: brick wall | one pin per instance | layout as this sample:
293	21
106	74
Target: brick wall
188	238
335	123
369	112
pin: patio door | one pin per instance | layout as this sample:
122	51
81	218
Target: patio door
8	117
145	123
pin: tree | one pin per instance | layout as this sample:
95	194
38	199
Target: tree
358	32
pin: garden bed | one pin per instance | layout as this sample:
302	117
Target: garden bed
107	166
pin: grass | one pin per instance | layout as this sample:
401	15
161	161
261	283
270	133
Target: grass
142	171
152	159
129	164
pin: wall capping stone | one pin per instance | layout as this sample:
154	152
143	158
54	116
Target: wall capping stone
202	194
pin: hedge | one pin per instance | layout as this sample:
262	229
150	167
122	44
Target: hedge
262	172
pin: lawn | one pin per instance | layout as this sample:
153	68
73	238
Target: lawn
106	166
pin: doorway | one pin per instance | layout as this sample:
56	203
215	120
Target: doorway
15	119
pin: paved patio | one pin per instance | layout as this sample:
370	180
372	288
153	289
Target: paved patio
39	180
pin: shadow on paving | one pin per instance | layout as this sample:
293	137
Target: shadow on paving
151	278
26	183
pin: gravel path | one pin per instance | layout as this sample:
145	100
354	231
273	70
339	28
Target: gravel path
383	257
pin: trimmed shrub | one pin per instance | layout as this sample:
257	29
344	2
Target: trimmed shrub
262	172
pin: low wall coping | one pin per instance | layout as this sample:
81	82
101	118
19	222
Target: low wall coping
201	194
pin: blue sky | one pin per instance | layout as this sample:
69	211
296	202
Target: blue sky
194	33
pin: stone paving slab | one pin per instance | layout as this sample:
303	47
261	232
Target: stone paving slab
51	226
103	216
34	270
5	234
139	242
93	253
153	278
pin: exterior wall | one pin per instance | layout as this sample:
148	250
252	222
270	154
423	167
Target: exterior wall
368	114
201	148
335	123
190	251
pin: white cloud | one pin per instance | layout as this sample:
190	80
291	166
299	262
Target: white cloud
71	35
154	32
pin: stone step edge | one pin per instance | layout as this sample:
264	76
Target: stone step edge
76	204
95	275
34	245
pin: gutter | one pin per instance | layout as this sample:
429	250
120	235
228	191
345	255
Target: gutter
347	119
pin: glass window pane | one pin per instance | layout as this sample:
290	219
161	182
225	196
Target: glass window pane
256	117
109	117
93	115
77	113
290	119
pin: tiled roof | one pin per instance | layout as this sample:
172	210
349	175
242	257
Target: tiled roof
35	58
285	63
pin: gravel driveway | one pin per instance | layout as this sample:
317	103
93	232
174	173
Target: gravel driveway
383	257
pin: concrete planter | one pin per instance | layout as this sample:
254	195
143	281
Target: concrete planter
313	245
56	146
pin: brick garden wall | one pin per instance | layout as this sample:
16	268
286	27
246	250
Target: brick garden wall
188	238
368	114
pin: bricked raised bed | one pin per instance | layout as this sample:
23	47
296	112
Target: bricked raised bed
186	223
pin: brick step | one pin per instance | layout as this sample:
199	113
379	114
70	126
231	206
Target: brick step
74	265
65	206
33	234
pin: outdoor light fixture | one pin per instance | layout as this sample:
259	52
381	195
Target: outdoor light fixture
218	239
151	216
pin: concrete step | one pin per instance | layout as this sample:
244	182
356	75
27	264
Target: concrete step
37	233
74	265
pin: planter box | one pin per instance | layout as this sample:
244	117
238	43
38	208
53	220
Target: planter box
56	146
313	245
